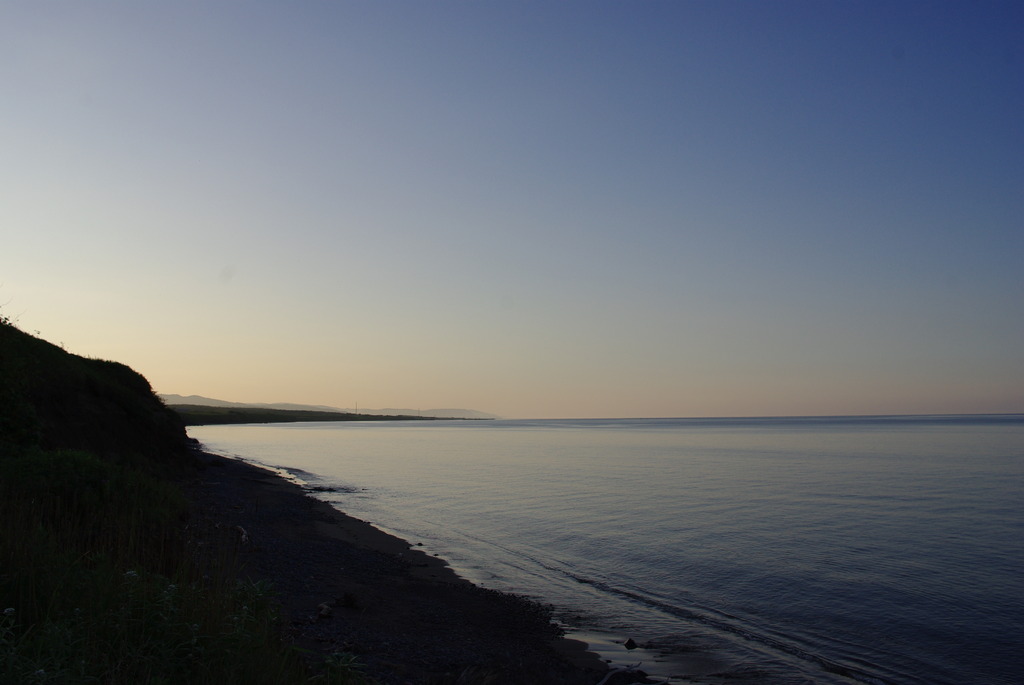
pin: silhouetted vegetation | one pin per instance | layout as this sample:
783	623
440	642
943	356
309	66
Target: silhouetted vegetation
99	581
55	400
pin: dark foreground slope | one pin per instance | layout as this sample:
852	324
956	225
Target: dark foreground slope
128	556
98	580
52	400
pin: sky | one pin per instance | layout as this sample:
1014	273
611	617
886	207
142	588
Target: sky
533	209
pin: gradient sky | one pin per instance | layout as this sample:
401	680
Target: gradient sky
535	209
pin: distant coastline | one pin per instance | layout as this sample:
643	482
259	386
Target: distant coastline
202	415
199	410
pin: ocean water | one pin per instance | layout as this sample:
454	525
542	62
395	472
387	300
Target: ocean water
817	550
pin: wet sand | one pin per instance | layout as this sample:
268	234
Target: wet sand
345	586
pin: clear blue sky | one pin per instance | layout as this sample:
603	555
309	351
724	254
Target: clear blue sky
536	209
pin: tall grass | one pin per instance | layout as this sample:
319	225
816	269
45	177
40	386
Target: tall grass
99	584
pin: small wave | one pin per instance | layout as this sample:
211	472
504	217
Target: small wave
726	624
723	622
347	489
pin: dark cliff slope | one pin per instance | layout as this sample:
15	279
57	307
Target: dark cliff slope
52	399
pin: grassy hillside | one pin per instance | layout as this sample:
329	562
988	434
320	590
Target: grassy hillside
51	399
99	581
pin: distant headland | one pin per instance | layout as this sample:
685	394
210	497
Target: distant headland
196	410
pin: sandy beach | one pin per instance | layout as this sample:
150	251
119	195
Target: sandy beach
347	587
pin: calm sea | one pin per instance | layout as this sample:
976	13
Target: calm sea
816	550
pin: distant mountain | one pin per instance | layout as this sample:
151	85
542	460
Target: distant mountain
435	413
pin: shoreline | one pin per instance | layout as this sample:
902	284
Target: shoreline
344	586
